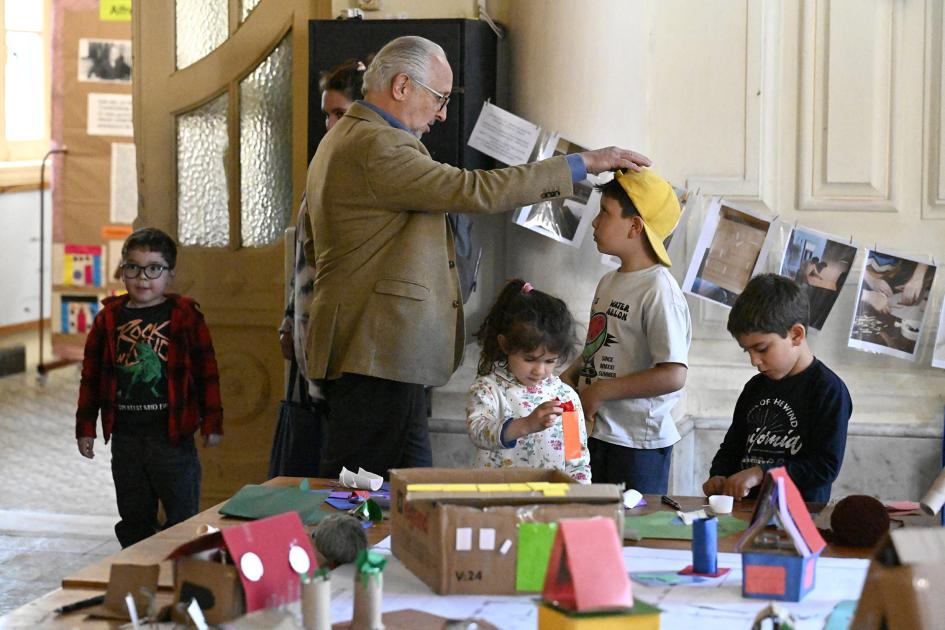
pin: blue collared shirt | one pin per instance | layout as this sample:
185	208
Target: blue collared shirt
576	164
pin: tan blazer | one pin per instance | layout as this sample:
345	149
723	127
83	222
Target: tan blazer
387	300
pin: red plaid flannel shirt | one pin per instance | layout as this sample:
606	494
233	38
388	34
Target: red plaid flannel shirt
193	383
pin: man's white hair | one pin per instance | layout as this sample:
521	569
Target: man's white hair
410	54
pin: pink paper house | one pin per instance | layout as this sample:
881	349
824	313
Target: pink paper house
779	563
585	570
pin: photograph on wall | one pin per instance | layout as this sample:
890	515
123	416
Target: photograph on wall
891	304
564	219
683	196
938	353
732	247
820	263
105	60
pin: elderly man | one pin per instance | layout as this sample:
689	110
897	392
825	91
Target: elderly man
387	317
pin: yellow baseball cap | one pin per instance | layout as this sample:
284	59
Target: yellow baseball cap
655	200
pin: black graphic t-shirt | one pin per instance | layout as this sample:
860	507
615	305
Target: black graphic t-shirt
799	422
141	361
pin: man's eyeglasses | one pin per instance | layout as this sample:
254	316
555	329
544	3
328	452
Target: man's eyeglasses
151	272
442	99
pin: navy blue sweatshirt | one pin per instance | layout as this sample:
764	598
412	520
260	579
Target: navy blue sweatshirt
799	422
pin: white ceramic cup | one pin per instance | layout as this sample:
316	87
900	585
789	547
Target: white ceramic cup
721	503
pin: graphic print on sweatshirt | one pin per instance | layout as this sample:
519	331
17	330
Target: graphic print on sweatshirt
141	358
771	435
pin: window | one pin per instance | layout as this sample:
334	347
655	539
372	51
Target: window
24	86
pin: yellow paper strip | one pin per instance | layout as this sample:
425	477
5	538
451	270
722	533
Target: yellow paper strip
493	487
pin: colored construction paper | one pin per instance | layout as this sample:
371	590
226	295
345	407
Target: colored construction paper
667	525
691	570
534	549
842	615
572	435
586	570
254	502
261	549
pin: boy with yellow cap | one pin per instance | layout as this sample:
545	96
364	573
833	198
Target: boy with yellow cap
634	362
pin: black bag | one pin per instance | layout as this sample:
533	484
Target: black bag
296	447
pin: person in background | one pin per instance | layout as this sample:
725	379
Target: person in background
296	448
340	87
515	403
150	370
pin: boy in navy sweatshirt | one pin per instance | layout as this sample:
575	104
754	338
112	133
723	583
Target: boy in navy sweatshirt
794	413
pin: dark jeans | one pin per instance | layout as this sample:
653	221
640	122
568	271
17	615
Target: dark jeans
375	424
147	468
645	470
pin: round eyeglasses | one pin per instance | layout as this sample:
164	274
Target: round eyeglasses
151	272
441	99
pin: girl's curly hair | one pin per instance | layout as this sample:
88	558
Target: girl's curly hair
528	320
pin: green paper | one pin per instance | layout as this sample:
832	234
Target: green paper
665	577
369	511
841	616
304	485
534	550
661	525
638	608
254	502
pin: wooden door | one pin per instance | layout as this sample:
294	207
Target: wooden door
220	121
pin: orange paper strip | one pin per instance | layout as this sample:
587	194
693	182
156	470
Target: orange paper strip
572	435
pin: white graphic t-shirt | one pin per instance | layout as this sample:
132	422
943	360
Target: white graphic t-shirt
638	320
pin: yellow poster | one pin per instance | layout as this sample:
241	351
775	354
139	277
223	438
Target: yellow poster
114	10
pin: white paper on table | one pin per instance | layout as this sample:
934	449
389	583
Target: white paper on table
711	604
503	135
688	518
631	498
362	480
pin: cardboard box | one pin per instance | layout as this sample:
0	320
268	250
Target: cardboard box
904	584
464	540
215	586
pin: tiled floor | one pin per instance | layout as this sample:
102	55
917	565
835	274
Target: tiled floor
57	509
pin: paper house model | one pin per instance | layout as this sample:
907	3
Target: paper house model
586	584
245	567
905	582
779	563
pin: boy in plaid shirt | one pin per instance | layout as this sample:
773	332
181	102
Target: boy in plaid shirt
150	369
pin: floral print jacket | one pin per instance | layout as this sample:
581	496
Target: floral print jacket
499	398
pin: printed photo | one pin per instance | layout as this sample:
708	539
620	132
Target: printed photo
565	220
730	249
892	301
938	353
105	60
820	264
